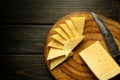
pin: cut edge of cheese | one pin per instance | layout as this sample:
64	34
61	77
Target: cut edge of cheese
79	23
100	62
58	38
72	43
57	61
72	27
67	30
55	53
55	44
62	33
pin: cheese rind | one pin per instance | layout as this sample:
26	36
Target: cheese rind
100	61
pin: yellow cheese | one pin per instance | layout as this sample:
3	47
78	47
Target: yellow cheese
62	33
67	30
71	44
59	38
55	44
79	24
72	28
100	61
54	53
57	61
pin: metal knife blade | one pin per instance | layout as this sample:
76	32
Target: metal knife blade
109	40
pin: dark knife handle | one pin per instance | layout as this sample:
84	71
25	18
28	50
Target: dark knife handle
117	58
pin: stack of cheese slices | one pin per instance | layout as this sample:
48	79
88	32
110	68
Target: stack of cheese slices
67	37
61	43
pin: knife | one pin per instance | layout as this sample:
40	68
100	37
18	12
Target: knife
109	40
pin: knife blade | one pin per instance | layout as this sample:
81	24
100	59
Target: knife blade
109	40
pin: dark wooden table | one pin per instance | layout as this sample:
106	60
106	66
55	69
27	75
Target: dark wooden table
24	25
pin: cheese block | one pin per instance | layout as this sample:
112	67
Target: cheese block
62	33
72	28
58	38
55	44
67	30
79	24
100	61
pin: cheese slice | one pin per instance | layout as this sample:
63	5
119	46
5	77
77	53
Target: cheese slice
54	53
71	44
79	23
67	30
62	33
57	61
72	28
100	61
59	38
55	44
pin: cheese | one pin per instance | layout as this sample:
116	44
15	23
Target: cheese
100	61
71	44
59	38
79	24
67	30
57	61
54	53
55	44
62	33
72	28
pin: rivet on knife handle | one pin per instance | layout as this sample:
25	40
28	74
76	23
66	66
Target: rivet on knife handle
109	40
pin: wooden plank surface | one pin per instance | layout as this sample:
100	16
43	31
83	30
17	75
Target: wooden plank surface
48	11
31	67
23	38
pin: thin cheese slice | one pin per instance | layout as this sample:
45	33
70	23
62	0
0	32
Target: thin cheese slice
72	28
67	30
62	33
55	44
54	53
100	61
57	61
79	24
71	44
59	38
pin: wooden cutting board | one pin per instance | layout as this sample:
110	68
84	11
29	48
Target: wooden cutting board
75	68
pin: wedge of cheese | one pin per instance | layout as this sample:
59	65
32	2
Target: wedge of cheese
57	61
55	44
62	33
55	53
68	47
58	38
79	24
72	27
67	30
100	61
71	44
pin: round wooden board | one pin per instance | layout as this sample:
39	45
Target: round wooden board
74	68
